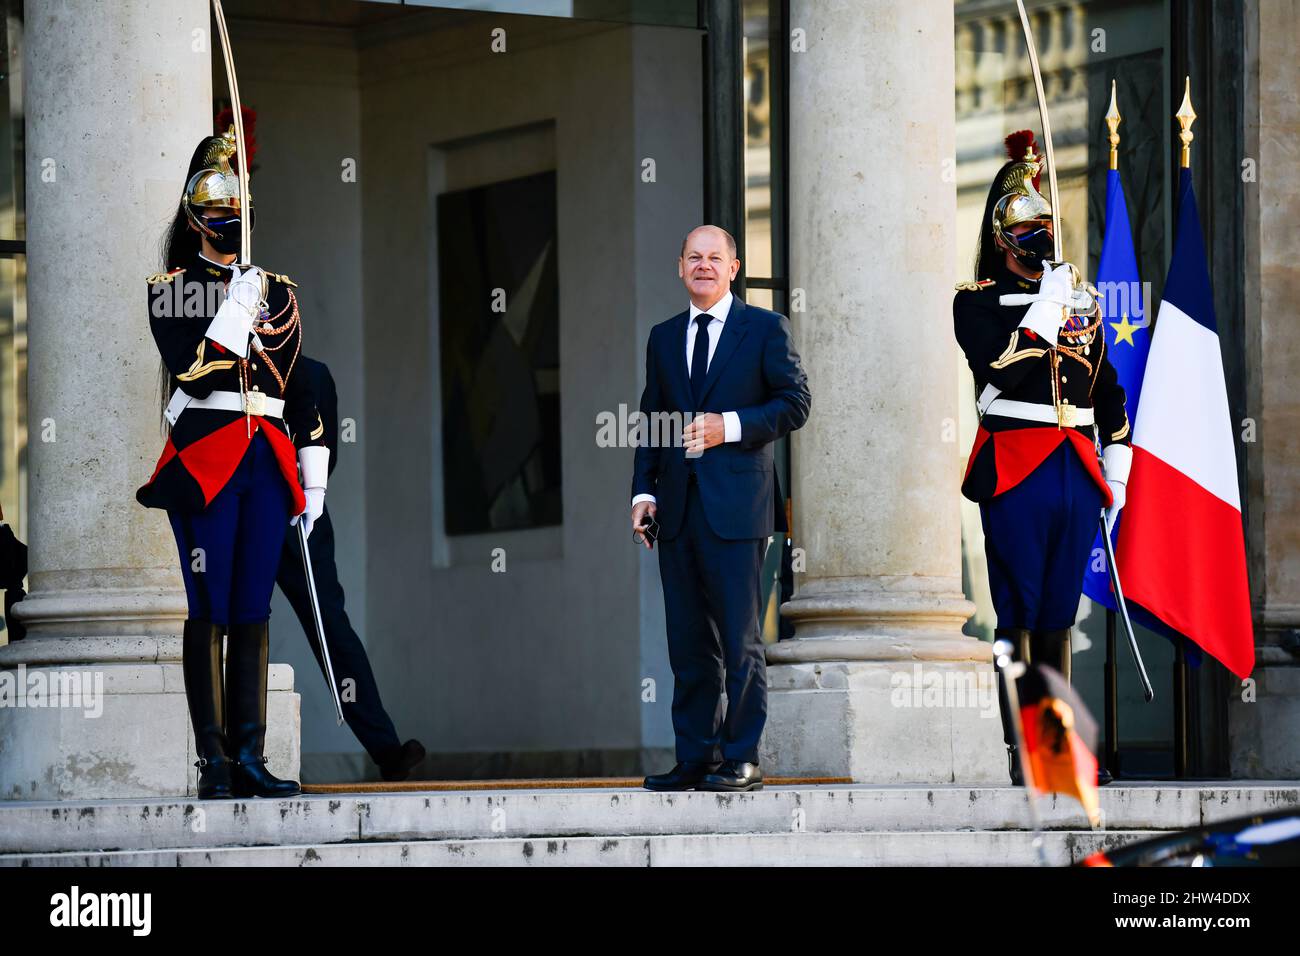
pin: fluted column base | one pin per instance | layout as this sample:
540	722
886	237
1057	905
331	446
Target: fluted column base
881	686
879	618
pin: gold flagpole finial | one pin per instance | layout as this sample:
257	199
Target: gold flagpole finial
1186	116
1112	121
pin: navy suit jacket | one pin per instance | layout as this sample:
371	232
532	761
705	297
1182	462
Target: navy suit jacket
755	372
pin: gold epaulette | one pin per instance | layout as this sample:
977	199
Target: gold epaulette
974	286
158	277
285	279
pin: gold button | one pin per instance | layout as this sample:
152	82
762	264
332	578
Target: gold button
254	365
1064	379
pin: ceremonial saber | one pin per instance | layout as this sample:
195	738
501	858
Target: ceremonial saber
245	213
245	257
1120	603
1053	193
1055	199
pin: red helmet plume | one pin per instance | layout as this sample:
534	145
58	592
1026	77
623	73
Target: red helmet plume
1020	143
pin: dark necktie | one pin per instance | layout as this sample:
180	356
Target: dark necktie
700	356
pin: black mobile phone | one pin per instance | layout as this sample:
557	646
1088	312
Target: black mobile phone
651	532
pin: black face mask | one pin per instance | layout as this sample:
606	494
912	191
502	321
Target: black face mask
227	235
1033	247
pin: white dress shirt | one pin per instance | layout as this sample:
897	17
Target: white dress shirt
718	313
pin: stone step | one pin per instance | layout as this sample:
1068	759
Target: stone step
315	821
935	848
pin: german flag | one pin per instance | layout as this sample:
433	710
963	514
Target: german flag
1060	739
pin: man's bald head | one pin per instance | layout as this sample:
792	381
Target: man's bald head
726	237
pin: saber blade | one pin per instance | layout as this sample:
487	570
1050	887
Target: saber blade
236	107
1053	193
320	627
1147	691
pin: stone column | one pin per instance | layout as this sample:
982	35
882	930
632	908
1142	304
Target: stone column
1264	715
92	703
860	691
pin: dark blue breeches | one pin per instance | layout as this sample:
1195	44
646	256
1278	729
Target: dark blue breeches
1038	538
230	551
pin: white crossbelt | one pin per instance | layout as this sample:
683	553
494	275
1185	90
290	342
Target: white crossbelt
265	406
1035	412
986	398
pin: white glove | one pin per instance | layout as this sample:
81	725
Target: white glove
1117	461
1118	492
1047	312
245	287
315	508
233	322
1057	285
313	467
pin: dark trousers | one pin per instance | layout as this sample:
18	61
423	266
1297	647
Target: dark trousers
1038	538
229	550
711	599
362	708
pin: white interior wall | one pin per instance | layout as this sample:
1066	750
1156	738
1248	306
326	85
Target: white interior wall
549	655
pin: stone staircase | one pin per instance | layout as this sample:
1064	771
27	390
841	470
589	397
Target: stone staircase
795	825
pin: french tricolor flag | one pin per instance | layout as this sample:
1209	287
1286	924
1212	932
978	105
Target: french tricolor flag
1182	551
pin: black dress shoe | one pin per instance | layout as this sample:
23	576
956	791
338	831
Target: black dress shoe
685	776
1103	776
398	766
734	776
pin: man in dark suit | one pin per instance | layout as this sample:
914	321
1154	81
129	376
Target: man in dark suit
362	708
730	371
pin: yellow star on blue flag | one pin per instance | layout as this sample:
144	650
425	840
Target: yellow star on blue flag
1124	330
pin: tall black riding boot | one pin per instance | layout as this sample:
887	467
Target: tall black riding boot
201	667
1056	651
1019	638
247	653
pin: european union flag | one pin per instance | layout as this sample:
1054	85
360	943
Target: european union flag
1127	324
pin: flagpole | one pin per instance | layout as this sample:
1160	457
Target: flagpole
1110	693
1186	116
1112	567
